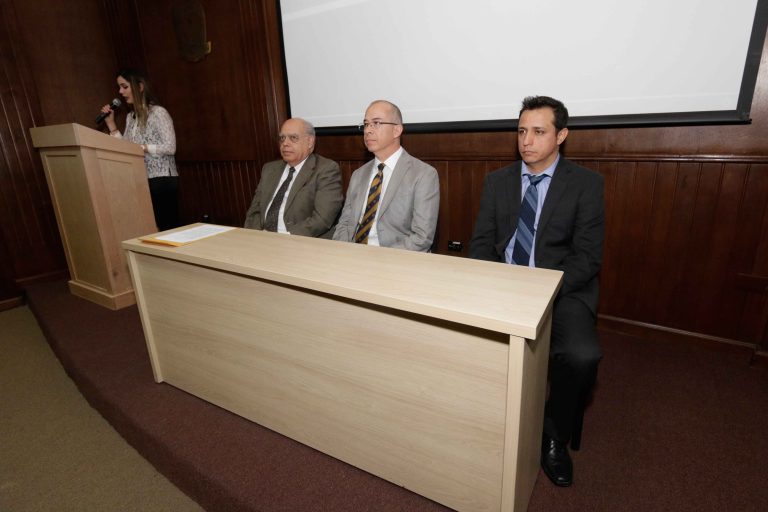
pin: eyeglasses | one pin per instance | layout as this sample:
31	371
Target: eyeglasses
373	124
294	137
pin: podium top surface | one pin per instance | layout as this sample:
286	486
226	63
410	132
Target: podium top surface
73	134
488	295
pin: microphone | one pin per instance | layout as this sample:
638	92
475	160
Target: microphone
112	106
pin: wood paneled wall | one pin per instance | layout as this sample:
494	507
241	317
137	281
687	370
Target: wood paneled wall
31	246
70	58
58	68
679	231
227	106
687	228
125	35
217	192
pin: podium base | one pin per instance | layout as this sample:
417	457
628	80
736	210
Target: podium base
102	298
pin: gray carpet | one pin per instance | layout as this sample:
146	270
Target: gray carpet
56	452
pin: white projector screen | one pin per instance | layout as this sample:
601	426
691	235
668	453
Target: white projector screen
460	64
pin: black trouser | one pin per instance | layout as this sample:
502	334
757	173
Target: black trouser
165	201
574	355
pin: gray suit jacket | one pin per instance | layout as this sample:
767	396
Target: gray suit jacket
570	233
312	204
407	216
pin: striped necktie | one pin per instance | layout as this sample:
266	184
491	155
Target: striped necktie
371	206
270	221
526	232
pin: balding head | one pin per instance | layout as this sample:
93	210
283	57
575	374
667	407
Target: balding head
383	126
297	140
394	110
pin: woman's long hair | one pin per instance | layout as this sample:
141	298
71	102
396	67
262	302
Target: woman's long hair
143	96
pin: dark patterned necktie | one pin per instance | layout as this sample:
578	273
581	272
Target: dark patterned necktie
525	234
270	221
374	194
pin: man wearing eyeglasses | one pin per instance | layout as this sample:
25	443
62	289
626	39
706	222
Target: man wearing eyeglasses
393	200
300	194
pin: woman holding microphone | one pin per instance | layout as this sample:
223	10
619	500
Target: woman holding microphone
149	125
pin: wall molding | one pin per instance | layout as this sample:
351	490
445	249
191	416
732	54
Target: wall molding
647	330
752	353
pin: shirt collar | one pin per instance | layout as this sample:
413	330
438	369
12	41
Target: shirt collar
390	162
549	171
299	165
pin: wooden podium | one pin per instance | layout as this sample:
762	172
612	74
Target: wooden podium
100	195
426	370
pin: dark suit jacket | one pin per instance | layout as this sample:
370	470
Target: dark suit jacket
570	233
312	205
407	217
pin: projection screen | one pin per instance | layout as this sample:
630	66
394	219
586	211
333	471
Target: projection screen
458	64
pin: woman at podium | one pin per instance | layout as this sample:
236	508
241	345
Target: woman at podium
150	125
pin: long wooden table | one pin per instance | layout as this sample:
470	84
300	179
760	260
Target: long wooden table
426	370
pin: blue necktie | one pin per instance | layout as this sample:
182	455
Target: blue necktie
525	234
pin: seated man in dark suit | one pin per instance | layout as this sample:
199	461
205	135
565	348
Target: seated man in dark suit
547	212
394	199
300	194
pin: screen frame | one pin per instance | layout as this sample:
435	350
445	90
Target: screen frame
739	115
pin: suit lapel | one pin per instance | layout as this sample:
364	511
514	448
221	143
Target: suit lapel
271	178
555	192
398	173
508	205
361	194
299	181
512	195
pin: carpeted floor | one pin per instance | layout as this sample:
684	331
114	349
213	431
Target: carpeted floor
57	454
673	426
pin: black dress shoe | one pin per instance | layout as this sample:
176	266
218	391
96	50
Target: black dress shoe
556	462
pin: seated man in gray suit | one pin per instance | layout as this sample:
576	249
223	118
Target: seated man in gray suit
393	200
300	194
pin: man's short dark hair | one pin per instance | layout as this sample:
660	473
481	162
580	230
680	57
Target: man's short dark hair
537	102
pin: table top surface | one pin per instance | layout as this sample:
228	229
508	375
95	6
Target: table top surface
488	295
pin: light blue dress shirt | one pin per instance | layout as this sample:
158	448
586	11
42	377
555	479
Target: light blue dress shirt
543	188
